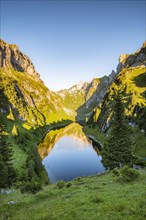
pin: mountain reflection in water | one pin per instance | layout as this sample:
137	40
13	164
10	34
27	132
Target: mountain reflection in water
67	153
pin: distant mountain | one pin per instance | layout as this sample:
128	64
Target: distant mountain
84	96
27	96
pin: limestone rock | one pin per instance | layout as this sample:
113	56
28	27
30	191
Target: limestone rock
134	60
12	57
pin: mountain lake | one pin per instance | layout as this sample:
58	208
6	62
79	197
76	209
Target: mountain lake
67	153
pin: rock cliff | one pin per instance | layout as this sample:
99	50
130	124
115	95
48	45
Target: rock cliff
138	59
12	57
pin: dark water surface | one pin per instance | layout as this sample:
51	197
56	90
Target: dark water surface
67	153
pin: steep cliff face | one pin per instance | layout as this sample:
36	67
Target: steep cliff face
27	96
130	81
12	57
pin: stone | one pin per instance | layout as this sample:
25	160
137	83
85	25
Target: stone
11	203
122	58
6	191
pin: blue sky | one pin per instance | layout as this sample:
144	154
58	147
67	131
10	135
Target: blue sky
69	41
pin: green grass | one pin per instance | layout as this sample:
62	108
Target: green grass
33	101
139	140
89	198
95	131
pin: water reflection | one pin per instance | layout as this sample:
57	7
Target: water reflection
68	153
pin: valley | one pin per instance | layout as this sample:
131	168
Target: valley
61	131
29	108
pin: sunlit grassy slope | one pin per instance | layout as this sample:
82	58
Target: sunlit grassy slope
31	100
90	198
131	83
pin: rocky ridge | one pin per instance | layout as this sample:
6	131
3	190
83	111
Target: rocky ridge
138	59
12	57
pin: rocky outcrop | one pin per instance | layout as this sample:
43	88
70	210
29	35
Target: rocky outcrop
138	59
12	57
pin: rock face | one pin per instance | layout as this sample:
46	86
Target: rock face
12	57
138	59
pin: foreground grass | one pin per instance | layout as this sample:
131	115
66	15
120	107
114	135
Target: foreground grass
89	198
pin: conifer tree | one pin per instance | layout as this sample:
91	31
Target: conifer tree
142	120
7	172
117	149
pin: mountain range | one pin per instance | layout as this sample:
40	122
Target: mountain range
27	106
30	100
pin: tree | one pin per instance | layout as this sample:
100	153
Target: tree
7	172
117	149
142	120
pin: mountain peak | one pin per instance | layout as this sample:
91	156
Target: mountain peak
136	59
12	57
123	57
144	44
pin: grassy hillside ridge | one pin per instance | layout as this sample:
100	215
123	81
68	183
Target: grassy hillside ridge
31	100
129	78
131	84
94	197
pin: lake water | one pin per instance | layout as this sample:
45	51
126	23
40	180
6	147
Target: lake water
67	153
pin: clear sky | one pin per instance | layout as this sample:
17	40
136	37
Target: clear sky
69	41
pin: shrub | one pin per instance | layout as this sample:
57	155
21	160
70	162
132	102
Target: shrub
30	187
116	172
68	184
60	184
127	174
140	161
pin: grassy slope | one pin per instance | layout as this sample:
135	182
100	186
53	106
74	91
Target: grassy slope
34	102
132	84
89	198
95	131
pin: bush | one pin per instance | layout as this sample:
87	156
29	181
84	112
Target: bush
68	184
30	187
116	172
60	184
127	174
140	161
